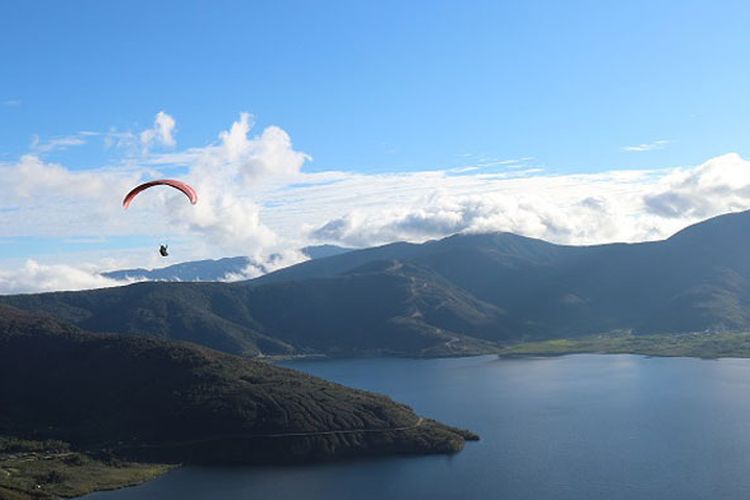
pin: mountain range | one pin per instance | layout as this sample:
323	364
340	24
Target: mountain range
462	294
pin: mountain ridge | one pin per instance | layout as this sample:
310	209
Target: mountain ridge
464	294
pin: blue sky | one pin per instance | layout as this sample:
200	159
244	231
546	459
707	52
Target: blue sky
368	122
390	86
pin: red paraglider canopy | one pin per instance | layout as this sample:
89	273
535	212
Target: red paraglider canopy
185	188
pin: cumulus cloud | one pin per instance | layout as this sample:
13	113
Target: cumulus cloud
41	198
162	132
50	199
32	176
721	184
250	159
227	176
255	199
223	219
628	206
36	277
44	199
589	220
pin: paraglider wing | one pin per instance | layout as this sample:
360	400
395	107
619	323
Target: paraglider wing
186	189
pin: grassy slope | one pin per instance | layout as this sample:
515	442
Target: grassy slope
699	345
49	469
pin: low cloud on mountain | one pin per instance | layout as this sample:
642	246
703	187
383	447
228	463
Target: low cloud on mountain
36	277
573	209
719	185
256	199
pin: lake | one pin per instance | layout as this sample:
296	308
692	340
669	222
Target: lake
579	426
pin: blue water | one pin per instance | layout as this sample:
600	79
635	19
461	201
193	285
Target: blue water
583	426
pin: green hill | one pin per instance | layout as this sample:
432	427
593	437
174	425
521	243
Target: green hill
387	308
146	399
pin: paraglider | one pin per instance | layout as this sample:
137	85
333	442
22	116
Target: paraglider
183	187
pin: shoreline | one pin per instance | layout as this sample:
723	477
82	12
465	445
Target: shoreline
686	345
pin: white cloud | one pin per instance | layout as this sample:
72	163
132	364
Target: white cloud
162	133
121	140
36	277
273	262
32	177
11	103
648	146
256	200
571	209
223	219
488	163
560	209
241	157
229	177
58	143
49	200
721	184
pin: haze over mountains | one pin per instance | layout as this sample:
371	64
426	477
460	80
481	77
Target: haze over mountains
459	295
226	269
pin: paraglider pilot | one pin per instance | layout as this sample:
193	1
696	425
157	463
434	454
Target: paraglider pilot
186	189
